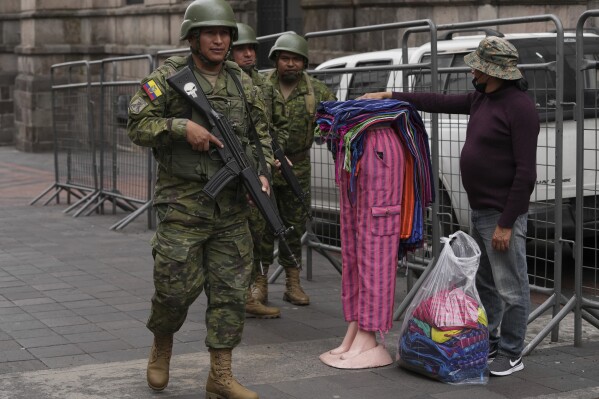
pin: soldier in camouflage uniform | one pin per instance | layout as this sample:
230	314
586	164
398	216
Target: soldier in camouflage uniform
244	50
200	243
300	95
244	55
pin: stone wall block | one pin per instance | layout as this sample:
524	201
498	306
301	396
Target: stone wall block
7	127
10	6
33	104
323	48
6	107
99	30
6	90
38	32
8	64
10	32
71	28
143	30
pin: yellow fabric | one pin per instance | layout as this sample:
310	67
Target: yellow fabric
482	316
440	336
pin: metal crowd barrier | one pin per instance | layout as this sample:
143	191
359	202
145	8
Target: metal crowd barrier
585	302
94	160
73	126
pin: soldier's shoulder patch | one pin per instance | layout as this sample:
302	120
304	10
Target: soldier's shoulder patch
152	89
137	105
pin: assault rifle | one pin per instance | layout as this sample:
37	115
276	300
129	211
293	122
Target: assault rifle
232	154
290	177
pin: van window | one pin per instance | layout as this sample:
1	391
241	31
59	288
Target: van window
458	81
332	80
542	83
368	81
422	77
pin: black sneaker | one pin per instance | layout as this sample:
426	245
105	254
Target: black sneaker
504	365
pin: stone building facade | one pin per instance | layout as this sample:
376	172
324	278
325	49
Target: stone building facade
35	34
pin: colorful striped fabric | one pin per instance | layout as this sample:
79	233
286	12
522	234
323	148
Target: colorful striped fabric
461	359
342	125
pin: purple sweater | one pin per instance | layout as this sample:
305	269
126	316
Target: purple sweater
498	160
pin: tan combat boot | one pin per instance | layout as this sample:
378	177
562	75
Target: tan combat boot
159	361
293	290
221	384
255	308
260	288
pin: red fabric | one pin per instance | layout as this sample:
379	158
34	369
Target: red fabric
449	310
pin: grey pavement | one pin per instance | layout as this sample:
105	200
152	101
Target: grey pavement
74	297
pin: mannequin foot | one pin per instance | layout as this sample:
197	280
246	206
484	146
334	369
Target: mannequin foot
334	353
327	358
363	341
348	340
371	358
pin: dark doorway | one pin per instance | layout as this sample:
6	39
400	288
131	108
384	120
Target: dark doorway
275	17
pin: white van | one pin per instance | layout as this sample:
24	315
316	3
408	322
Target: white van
535	49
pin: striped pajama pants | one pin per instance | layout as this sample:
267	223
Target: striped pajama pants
370	231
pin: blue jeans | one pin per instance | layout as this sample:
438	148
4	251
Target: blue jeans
502	282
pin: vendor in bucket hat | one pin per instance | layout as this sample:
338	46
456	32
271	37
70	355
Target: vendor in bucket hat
498	171
495	57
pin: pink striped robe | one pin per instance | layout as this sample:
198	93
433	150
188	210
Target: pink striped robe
370	232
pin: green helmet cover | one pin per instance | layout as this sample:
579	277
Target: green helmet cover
207	13
245	35
291	42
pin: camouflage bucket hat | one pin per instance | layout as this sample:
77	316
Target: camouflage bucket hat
495	57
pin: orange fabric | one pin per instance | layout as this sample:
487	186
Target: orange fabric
407	202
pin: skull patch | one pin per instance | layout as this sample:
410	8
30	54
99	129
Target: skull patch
190	89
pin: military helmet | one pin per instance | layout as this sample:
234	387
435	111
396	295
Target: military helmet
291	42
245	35
206	13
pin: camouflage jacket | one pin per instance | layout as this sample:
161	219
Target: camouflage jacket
257	78
158	117
279	125
300	133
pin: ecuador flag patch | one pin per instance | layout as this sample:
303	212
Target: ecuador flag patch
152	90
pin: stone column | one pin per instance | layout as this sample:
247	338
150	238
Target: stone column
10	32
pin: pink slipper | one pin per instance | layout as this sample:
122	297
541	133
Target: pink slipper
375	357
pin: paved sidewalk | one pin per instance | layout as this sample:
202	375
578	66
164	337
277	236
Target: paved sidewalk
74	297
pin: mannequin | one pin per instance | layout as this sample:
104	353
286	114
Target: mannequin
370	229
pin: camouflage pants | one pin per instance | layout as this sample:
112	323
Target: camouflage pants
192	254
257	228
293	214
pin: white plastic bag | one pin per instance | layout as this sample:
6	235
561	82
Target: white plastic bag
444	334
